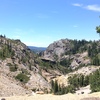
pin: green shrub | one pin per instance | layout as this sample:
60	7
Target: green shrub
22	78
24	71
12	67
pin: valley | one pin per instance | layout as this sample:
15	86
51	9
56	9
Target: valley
66	63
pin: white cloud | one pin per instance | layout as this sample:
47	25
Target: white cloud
93	7
88	7
77	4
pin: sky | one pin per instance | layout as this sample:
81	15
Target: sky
41	22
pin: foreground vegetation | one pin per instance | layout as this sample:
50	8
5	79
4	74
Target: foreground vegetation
77	81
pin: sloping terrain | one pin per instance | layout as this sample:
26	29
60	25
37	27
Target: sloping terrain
19	73
84	70
77	60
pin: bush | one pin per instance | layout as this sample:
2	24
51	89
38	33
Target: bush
22	78
65	62
12	67
24	71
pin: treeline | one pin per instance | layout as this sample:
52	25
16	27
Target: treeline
78	46
94	53
6	51
92	47
95	81
5	48
58	89
77	81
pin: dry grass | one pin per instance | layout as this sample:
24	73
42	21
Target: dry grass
94	96
91	98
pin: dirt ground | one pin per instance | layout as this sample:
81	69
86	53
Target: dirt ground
94	96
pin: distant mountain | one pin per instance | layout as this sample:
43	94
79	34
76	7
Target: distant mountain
37	49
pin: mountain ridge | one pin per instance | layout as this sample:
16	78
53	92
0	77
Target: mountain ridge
37	49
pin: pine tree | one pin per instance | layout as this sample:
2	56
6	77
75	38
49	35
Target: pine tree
55	87
95	81
52	85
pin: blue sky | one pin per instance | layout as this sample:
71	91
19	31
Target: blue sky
41	22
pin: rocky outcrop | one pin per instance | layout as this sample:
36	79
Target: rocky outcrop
64	50
56	49
79	60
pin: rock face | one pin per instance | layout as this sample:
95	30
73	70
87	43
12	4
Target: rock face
79	59
64	50
36	80
56	49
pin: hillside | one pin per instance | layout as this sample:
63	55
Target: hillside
79	61
26	72
73	53
19	72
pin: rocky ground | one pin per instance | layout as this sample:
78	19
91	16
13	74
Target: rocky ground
9	86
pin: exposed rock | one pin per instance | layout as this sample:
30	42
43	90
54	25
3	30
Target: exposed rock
60	50
80	59
56	49
39	92
38	82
